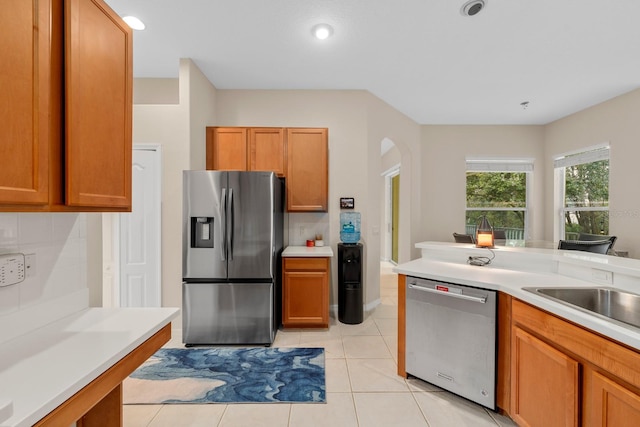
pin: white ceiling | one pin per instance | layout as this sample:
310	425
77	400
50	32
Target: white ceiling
421	56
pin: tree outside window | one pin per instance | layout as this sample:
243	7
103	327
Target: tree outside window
502	197
586	199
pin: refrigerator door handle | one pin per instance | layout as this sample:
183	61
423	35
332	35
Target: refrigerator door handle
223	224
232	223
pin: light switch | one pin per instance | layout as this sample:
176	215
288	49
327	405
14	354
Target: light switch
11	269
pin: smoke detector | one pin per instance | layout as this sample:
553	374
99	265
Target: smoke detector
472	7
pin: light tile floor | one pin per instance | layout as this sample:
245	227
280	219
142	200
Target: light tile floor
362	386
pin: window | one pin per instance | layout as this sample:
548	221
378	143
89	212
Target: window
582	192
499	189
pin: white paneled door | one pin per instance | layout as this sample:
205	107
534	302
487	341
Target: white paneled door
140	233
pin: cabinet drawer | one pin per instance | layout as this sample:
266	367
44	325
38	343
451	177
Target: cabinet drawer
306	263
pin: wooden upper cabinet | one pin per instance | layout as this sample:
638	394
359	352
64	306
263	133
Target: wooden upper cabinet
98	108
307	170
227	148
298	154
66	107
25	101
267	150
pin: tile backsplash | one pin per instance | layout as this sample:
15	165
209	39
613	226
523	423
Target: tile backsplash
59	243
304	226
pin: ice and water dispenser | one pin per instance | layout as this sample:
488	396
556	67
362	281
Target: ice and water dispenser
201	232
350	259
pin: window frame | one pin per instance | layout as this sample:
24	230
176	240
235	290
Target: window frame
500	165
561	161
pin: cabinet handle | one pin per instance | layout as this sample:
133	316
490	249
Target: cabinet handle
223	224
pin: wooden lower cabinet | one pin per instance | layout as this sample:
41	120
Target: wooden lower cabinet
565	375
545	383
608	403
305	293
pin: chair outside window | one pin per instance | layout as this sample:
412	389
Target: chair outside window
463	238
500	237
591	237
595	246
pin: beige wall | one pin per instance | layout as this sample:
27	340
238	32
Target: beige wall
444	172
179	128
386	122
156	91
59	243
344	114
616	122
432	162
357	123
199	97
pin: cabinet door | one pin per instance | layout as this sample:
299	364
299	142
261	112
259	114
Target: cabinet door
25	101
227	149
98	106
609	403
305	298
307	170
267	150
544	383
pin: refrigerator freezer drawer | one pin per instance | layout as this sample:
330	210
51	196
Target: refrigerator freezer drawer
227	313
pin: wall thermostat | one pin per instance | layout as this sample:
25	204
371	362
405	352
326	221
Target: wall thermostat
347	203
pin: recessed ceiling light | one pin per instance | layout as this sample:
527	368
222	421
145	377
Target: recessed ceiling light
472	7
322	31
134	22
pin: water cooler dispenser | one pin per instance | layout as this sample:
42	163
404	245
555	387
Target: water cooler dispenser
350	289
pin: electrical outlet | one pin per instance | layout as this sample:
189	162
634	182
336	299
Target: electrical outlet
11	269
30	265
602	276
303	231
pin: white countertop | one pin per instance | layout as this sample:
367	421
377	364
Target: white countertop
41	369
500	277
308	251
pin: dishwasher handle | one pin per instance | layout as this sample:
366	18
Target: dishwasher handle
481	300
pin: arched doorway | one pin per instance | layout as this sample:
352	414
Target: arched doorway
390	172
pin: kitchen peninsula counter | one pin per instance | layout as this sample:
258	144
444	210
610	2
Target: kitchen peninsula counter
555	364
513	269
55	373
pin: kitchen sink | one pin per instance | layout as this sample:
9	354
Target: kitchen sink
611	303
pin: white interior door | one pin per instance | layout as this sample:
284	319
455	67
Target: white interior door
140	233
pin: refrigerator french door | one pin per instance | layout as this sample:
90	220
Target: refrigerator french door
232	240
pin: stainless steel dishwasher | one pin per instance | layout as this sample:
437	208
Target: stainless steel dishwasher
451	338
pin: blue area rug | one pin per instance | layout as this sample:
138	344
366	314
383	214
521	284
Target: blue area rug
229	375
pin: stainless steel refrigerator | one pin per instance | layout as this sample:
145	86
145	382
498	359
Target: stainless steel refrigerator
232	243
